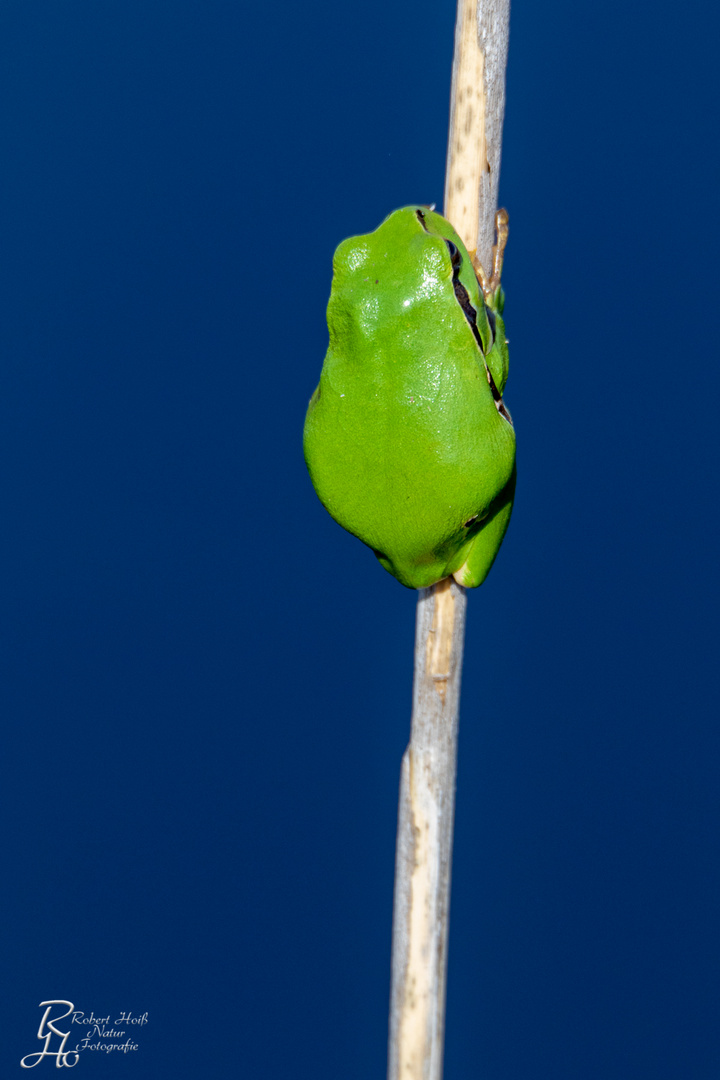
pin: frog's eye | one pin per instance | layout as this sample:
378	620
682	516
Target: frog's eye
455	256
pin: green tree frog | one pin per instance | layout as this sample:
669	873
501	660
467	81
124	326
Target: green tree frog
407	440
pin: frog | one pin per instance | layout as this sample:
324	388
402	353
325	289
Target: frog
407	438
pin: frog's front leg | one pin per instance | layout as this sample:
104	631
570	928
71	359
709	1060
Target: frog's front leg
491	285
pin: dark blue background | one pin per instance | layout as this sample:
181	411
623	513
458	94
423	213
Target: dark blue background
205	683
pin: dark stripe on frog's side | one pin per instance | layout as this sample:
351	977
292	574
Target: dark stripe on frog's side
461	295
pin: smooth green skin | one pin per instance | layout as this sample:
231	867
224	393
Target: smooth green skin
403	440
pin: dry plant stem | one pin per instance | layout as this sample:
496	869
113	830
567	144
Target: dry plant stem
477	111
427	783
424	840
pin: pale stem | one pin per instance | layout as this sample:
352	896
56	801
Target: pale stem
427	782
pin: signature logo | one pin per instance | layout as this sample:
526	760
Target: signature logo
45	1032
95	1033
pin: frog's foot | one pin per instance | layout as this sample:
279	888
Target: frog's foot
490	285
